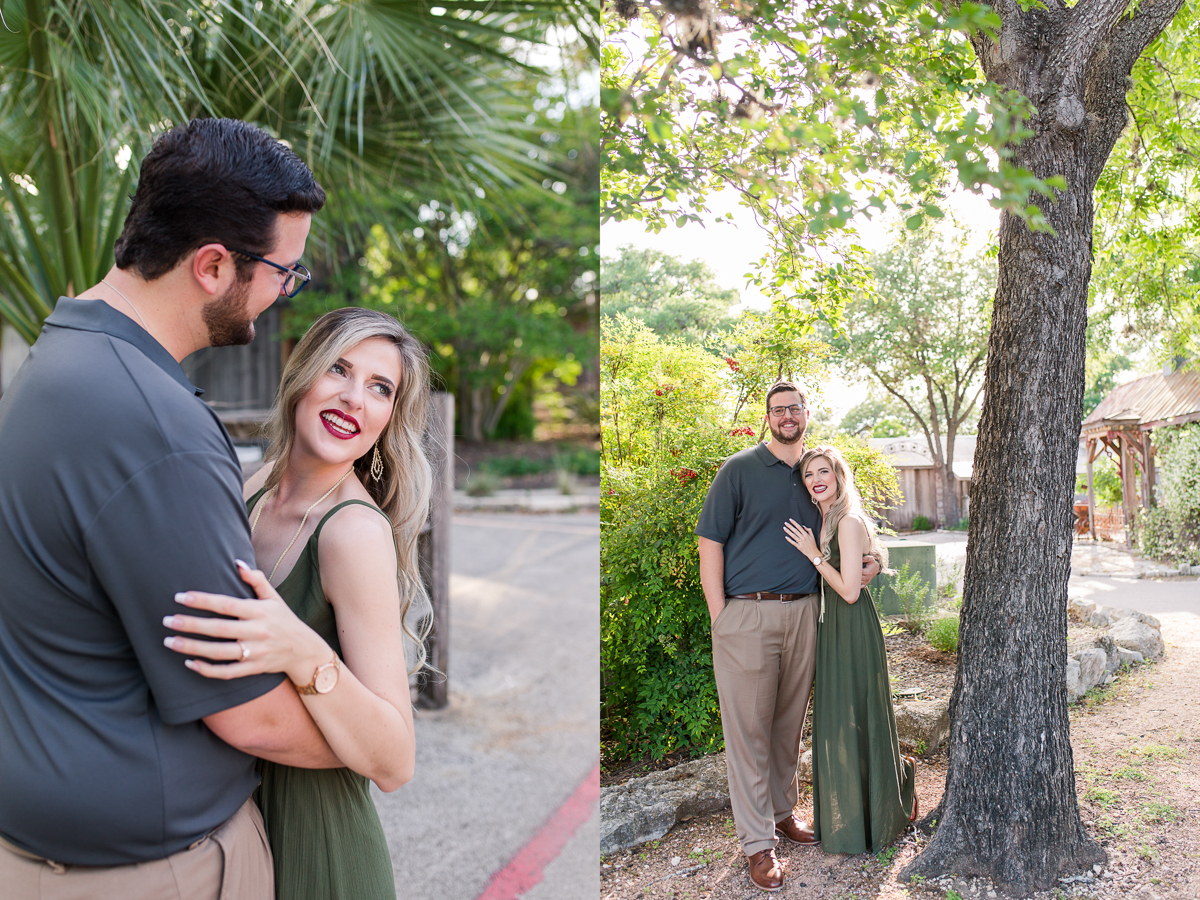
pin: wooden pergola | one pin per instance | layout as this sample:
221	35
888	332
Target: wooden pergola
1123	424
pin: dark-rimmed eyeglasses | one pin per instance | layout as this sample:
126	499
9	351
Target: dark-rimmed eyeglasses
778	411
297	276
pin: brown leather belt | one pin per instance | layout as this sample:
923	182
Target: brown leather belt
767	595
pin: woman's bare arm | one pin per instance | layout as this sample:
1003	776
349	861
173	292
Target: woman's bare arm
852	538
367	717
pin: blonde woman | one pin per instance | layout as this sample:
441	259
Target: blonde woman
863	789
334	520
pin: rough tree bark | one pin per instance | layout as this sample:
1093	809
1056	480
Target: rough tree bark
1009	812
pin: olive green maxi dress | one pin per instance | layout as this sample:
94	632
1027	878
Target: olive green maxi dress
322	824
862	786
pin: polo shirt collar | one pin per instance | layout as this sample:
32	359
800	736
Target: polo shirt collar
98	316
766	457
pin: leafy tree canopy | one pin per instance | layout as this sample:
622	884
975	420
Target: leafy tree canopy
670	295
814	112
390	103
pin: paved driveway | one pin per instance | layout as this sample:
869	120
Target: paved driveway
502	804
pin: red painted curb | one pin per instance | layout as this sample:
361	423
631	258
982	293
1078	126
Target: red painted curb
529	865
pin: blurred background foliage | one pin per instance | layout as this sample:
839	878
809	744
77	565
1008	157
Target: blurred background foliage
456	141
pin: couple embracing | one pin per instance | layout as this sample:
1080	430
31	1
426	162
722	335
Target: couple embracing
151	681
781	537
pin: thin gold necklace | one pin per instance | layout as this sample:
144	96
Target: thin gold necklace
130	302
263	502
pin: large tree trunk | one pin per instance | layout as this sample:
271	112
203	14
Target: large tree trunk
1009	811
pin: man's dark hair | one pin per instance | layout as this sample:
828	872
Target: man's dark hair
212	180
782	387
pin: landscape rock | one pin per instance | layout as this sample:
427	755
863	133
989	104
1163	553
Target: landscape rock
1134	634
1132	657
804	769
1118	614
1078	608
1112	660
1100	617
1085	670
923	724
644	809
1073	691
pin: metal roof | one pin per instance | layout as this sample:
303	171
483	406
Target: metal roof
1147	403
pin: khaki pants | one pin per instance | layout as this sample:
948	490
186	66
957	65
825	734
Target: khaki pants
232	863
764	652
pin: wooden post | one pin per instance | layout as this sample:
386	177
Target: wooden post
1092	446
433	690
1127	487
1147	470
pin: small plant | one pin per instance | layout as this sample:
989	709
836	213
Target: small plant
921	748
952	894
914	594
885	856
943	634
917	879
962	524
482	483
1148	853
1159	812
1101	796
564	476
1155	751
1131	773
922	523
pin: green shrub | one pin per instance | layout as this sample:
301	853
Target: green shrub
943	634
482	483
668	423
914	596
579	460
1171	531
922	523
511	466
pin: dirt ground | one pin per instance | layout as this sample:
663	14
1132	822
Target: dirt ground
1137	758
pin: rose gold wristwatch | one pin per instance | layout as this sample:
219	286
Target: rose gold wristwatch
324	679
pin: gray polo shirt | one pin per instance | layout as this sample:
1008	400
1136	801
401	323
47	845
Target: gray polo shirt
752	496
118	488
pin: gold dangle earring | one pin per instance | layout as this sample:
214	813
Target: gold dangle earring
376	464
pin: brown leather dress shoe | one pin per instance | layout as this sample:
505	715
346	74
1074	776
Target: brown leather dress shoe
797	831
916	807
766	871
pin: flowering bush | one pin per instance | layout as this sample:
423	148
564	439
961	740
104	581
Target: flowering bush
670	416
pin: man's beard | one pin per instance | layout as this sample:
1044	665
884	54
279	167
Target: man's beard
784	439
226	317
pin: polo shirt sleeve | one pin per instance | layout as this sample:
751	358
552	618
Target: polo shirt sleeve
177	525
720	506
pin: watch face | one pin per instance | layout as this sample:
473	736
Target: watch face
326	678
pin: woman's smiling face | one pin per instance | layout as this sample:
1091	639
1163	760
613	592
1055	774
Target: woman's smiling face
343	414
820	480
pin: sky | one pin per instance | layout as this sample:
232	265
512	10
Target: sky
730	250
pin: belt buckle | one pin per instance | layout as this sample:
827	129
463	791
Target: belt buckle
781	600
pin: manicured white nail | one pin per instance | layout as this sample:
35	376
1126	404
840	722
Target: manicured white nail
169	643
190	663
169	621
181	597
242	564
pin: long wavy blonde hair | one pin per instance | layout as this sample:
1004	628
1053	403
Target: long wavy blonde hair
404	490
847	502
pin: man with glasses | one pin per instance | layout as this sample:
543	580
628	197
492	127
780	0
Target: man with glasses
126	774
762	601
